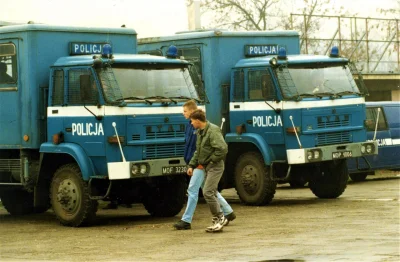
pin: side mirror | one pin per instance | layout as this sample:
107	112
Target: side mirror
87	91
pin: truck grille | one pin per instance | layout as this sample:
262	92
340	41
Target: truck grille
333	138
170	131
164	151
333	121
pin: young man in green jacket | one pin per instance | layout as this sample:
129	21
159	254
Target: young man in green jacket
210	153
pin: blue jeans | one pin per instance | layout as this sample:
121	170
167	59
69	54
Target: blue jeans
197	181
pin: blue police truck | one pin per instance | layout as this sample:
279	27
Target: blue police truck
80	124
289	117
383	125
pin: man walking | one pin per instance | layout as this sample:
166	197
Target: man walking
197	176
210	153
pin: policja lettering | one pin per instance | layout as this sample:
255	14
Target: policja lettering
87	129
263	121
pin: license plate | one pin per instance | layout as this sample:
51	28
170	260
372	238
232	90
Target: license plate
174	170
342	154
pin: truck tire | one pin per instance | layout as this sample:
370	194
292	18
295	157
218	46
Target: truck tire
17	202
70	197
358	177
253	182
167	197
329	179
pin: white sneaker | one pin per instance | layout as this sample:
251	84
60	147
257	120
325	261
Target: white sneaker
217	224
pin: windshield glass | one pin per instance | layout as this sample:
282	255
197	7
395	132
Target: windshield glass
316	82
132	84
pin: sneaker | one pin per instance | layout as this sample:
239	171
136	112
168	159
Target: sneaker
231	216
182	225
217	224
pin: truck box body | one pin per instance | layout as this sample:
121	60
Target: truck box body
23	104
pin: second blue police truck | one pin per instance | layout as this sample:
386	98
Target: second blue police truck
289	117
79	123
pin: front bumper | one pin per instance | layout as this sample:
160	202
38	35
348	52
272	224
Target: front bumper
332	152
158	167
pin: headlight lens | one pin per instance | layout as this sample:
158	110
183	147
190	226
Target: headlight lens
309	155
369	149
363	149
143	169
316	154
135	169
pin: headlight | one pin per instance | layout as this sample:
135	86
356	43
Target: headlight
369	149
309	155
363	149
143	169
134	169
316	154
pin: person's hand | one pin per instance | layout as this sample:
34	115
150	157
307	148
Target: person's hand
190	171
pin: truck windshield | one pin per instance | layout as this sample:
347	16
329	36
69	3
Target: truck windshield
135	84
296	83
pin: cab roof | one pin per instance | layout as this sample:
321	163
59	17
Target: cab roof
290	60
119	59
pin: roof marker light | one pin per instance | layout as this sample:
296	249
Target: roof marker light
107	51
172	52
282	53
334	52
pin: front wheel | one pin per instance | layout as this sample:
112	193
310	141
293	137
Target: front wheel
70	197
253	182
166	197
329	179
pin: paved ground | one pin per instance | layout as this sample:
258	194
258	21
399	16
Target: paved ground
362	225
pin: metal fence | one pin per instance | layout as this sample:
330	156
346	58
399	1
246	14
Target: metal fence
372	43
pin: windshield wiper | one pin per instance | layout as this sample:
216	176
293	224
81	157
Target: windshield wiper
330	94
161	97
300	96
134	98
186	97
347	93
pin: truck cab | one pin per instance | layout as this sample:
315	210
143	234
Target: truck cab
85	118
383	125
289	117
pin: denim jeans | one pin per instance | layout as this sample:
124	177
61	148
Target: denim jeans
197	181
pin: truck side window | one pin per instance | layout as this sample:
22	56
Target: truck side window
76	94
193	55
372	114
8	64
260	85
58	88
238	86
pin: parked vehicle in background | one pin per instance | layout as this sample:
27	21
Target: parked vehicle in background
387	136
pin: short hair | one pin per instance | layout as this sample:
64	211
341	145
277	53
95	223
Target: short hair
191	105
198	114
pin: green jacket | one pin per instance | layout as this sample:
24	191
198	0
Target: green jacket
210	146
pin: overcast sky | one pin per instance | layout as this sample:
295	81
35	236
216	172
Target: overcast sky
147	17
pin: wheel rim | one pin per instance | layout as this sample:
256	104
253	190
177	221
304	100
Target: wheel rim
68	196
249	179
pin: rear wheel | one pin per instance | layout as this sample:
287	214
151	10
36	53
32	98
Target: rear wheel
329	179
253	182
70	197
166	197
17	201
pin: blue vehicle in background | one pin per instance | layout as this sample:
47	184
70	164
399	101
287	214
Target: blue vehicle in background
385	117
289	117
80	124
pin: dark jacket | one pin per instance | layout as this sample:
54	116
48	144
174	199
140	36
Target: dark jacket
210	146
190	142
